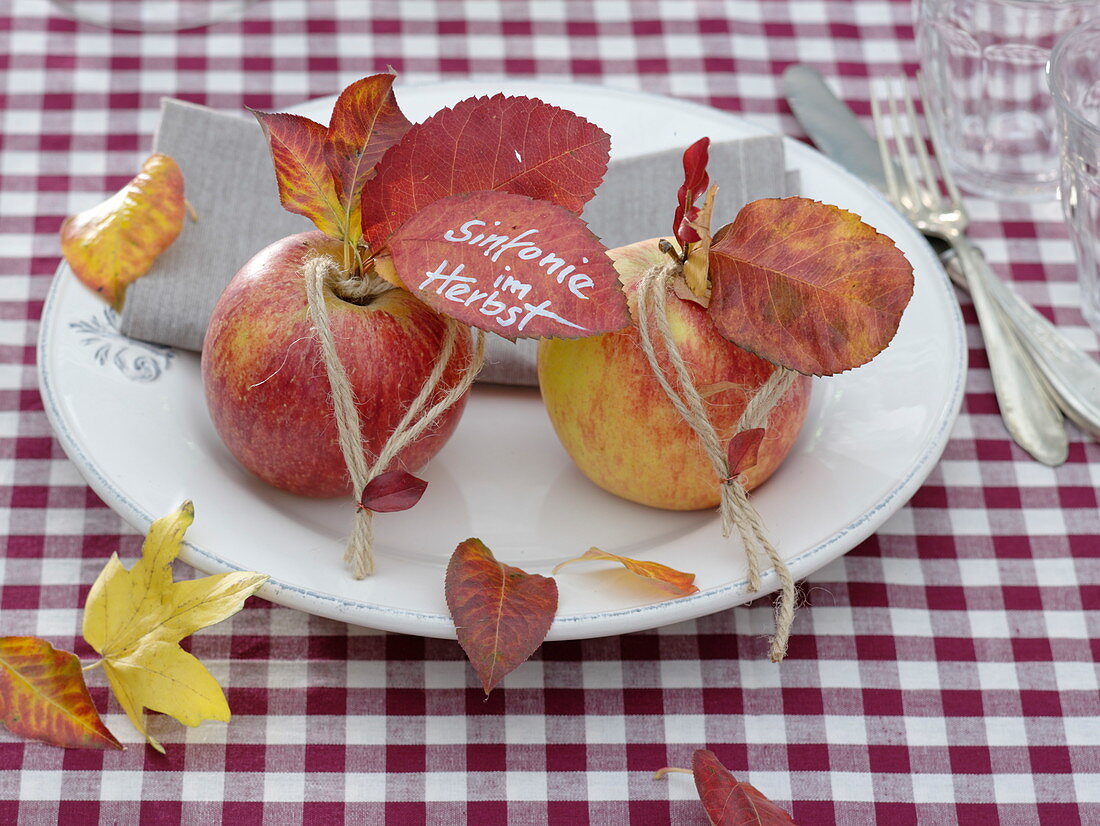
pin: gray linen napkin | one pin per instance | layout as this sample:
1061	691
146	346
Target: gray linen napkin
231	184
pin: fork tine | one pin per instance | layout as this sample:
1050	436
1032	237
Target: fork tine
931	183
905	160
937	150
889	169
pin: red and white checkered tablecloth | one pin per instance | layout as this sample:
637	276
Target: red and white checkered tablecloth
945	671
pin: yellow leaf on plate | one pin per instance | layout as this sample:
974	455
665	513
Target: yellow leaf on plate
113	244
135	619
669	580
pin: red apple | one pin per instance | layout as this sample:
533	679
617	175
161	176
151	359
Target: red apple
266	386
616	422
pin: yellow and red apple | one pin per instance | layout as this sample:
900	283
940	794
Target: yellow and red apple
620	428
266	385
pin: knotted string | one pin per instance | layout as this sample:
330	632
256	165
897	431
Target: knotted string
734	505
320	271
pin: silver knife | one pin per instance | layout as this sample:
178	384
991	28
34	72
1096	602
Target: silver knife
1070	376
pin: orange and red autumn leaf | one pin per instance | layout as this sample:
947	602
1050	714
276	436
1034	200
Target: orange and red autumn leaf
729	802
504	144
726	800
43	696
115	242
806	285
501	613
669	580
366	121
321	170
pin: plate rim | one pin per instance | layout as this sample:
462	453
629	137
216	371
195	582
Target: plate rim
569	626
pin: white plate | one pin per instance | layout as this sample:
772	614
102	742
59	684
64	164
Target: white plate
133	419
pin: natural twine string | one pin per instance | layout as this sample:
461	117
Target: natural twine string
734	505
320	271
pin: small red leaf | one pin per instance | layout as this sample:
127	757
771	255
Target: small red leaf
667	579
392	491
696	181
508	144
807	285
729	802
366	121
743	450
43	695
510	265
306	186
501	614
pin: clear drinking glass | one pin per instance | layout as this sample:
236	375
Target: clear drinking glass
984	62
152	15
1074	76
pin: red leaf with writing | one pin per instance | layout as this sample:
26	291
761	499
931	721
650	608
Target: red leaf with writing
510	265
729	802
366	121
306	186
696	182
807	285
667	579
509	144
43	695
501	614
392	491
743	450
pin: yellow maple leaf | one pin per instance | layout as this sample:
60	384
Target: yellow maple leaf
135	619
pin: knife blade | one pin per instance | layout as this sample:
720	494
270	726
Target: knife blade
832	126
1070	376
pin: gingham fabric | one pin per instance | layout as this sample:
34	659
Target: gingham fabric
945	671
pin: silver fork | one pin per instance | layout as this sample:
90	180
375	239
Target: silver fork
1032	418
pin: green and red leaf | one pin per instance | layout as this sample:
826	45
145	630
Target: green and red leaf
669	580
807	285
306	186
43	696
729	802
392	491
501	614
366	121
510	265
114	243
507	144
744	450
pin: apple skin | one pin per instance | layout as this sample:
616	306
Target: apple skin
266	387
618	425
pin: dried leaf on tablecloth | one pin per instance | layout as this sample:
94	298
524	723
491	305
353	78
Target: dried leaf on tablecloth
807	285
727	801
506	144
501	614
510	265
114	243
43	695
135	619
667	579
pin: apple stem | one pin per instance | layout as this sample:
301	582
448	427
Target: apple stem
669	249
